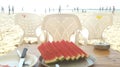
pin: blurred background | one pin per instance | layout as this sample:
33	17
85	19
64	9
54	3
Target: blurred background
55	6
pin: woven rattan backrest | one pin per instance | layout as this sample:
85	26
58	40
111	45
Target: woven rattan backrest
29	22
61	26
96	23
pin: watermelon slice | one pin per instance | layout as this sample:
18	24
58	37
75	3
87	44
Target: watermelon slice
57	51
72	50
44	52
60	50
51	52
66	50
79	50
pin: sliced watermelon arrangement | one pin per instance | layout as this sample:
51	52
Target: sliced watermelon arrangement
60	50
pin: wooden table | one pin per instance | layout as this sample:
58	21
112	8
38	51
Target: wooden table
104	58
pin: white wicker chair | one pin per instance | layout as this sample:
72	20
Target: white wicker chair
96	23
61	26
29	22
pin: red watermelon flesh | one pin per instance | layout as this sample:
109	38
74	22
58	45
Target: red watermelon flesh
72	54
52	54
79	49
66	50
72	50
44	52
60	54
62	50
56	51
76	49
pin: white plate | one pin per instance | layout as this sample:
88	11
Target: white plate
12	60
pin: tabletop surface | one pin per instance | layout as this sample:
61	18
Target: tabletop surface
104	58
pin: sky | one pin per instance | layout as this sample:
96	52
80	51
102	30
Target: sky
31	5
